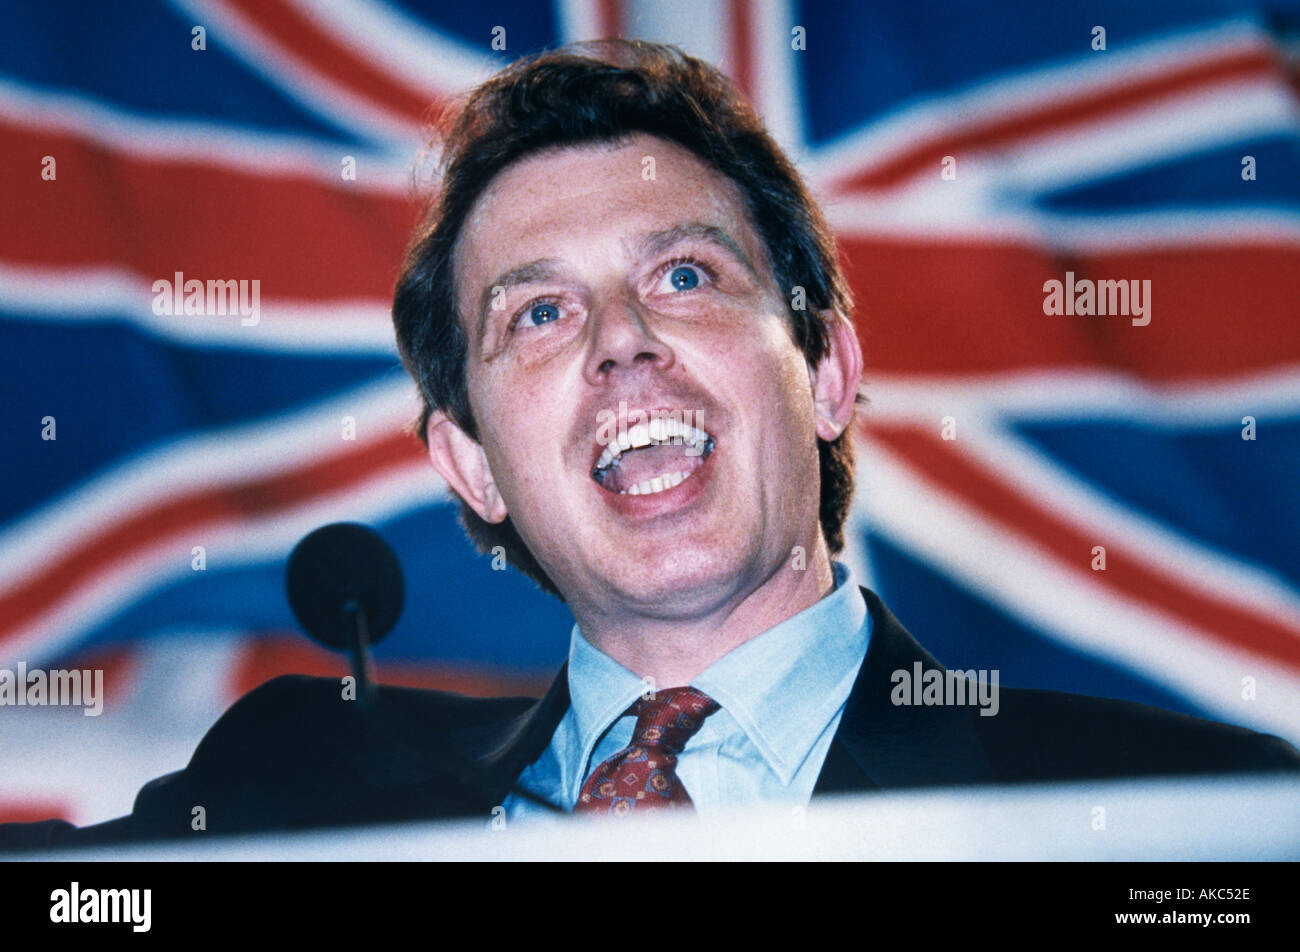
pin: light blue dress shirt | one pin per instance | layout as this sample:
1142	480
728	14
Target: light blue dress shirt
782	694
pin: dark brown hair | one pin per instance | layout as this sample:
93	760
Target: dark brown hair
601	93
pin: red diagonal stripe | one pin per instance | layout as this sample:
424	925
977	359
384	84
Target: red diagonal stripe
303	38
942	464
190	512
303	239
1080	108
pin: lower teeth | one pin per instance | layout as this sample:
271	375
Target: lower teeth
657	485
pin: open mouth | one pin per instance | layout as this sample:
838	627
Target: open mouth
652	457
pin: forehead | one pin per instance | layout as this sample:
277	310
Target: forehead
579	203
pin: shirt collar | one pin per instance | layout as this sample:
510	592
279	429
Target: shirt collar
600	690
782	687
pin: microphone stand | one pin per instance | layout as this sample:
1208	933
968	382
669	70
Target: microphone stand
358	633
359	651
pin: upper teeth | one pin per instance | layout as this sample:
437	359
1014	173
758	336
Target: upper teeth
659	430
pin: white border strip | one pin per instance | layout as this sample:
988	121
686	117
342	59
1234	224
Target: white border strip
360	328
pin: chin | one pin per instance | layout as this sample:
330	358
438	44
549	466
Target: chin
683	579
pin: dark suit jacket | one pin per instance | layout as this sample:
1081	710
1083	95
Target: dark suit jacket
293	754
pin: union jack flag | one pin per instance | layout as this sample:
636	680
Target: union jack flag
1104	504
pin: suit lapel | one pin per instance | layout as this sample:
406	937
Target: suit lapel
502	756
880	745
413	750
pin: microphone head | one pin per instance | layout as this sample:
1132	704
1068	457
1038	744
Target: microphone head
338	563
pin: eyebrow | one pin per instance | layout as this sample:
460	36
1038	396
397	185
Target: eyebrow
650	243
656	241
543	269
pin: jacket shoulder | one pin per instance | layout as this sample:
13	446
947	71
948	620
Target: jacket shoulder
1053	735
306	709
296	752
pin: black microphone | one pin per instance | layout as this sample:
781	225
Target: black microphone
346	590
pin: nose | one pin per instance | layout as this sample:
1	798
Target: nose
623	343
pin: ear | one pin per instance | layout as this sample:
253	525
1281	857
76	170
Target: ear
460	460
836	378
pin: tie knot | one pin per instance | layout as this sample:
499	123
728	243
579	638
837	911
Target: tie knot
669	718
643	775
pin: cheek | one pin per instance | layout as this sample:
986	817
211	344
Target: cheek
499	430
788	397
521	436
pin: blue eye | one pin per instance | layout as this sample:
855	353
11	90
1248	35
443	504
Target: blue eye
684	277
543	313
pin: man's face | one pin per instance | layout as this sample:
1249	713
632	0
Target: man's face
593	285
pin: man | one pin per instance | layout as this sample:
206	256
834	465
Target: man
633	343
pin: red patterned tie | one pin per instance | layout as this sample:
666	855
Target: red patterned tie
643	775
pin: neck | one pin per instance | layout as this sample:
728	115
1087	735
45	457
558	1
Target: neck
671	651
